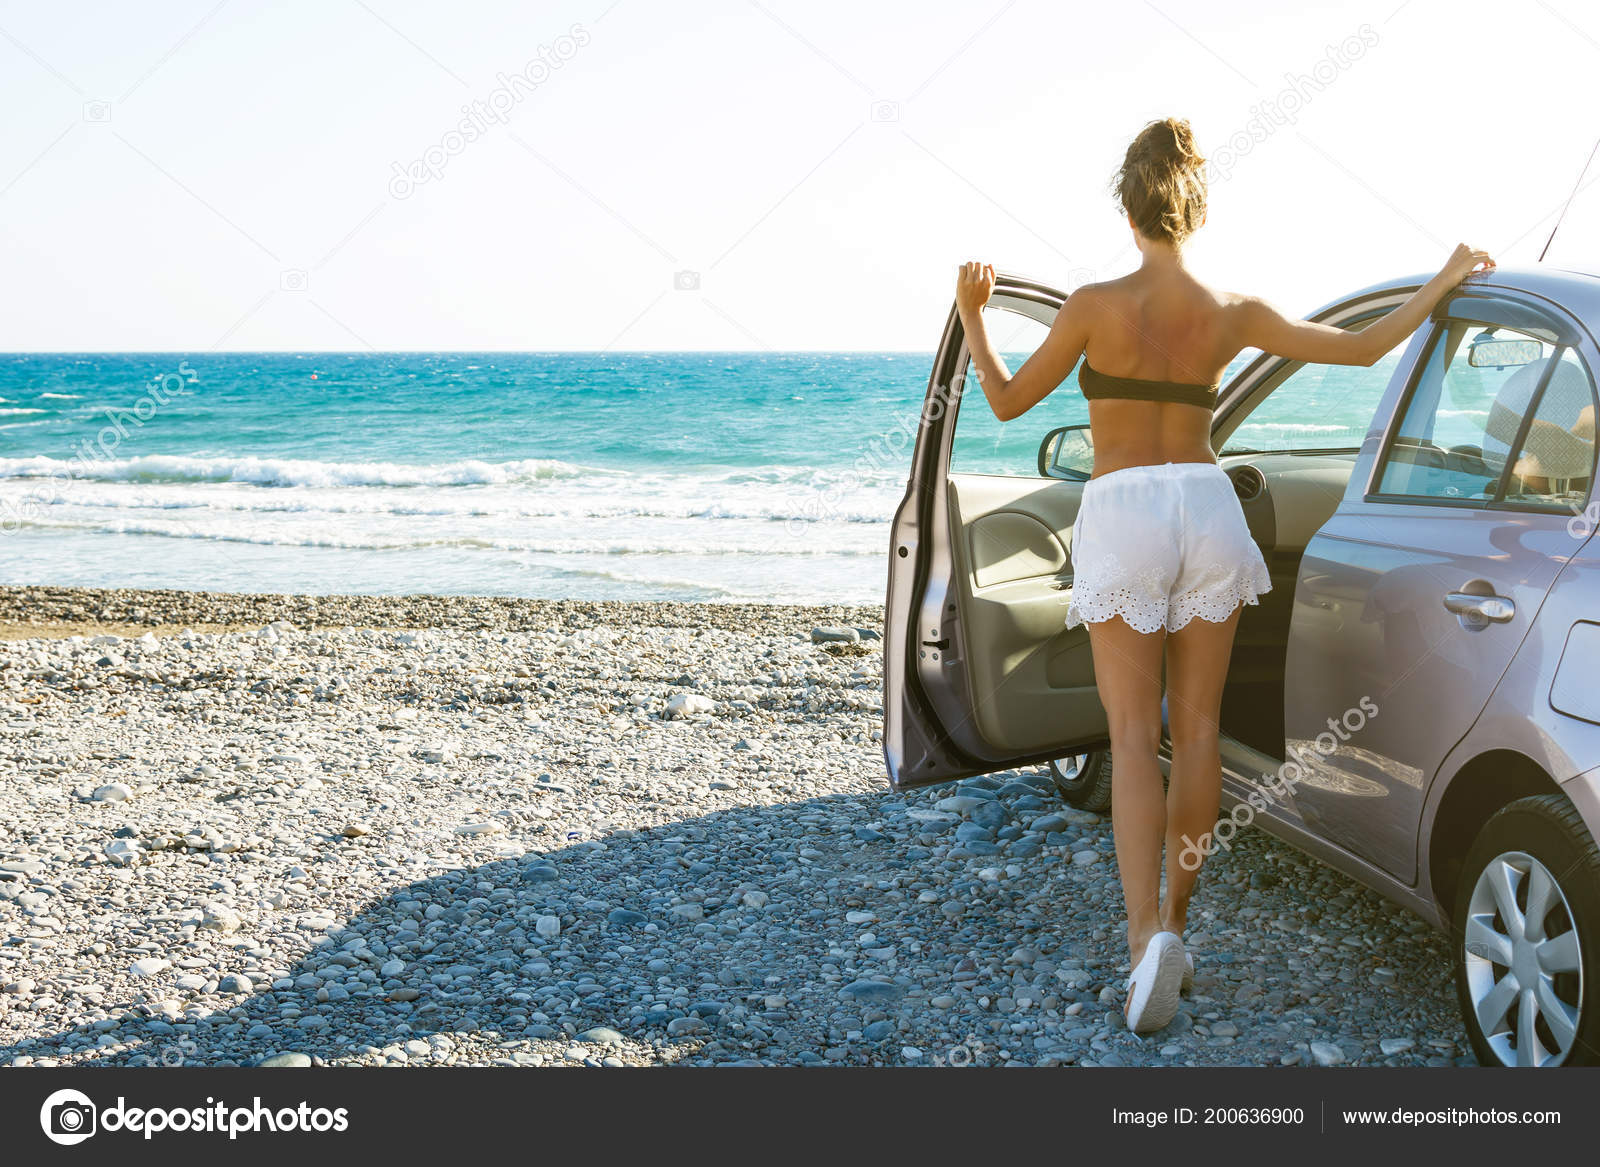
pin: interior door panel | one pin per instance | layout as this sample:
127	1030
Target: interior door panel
1013	538
1009	545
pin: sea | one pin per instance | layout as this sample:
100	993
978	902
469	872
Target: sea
696	476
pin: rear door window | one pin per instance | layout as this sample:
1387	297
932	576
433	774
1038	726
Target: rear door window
1498	415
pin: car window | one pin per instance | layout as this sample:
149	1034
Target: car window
1316	408
982	443
1481	387
1556	459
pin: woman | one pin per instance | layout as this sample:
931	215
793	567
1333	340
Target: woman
1160	536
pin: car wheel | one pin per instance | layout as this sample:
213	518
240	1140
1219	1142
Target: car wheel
1527	936
1084	780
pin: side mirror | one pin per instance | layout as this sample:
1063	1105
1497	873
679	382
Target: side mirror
1067	452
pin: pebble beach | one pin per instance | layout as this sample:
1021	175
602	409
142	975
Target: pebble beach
428	830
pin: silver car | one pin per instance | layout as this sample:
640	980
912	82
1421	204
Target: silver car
1417	700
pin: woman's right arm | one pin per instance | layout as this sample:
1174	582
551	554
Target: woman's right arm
1262	326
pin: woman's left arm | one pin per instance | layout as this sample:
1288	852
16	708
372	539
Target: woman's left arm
1011	395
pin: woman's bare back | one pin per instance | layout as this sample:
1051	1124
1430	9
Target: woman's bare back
1156	326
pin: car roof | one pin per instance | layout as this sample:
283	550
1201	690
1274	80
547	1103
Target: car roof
1577	292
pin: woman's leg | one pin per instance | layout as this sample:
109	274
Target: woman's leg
1197	664
1127	672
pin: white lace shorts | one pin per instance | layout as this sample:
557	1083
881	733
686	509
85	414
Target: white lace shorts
1160	545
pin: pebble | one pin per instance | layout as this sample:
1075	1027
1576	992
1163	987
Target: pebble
289	1060
1326	1053
122	852
219	918
959	804
873	991
684	705
113	792
739	884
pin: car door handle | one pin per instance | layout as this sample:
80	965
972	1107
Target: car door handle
1491	609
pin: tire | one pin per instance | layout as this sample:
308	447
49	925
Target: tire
1084	780
1508	964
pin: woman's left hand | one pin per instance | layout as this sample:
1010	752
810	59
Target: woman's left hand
974	285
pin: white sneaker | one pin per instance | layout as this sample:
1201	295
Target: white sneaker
1154	986
1188	972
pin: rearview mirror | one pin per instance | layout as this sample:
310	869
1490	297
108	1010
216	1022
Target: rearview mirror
1067	452
1497	353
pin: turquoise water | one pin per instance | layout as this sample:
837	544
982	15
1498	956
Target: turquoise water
700	476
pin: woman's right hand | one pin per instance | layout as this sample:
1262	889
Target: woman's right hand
1464	261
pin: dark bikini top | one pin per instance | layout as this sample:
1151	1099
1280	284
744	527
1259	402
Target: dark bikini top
1097	386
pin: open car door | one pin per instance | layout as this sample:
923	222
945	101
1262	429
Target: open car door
980	670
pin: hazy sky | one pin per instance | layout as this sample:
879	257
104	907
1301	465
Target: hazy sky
189	176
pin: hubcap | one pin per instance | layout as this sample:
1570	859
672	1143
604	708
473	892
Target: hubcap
1070	768
1524	969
